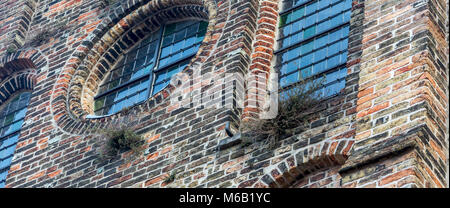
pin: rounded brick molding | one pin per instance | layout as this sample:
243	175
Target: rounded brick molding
18	71
304	161
17	82
89	64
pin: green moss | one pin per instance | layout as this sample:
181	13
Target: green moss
170	178
120	140
295	106
11	49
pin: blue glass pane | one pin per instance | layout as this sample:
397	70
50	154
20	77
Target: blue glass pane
298	2
347	16
323	3
9	141
297	14
292	66
334	36
305	73
143	96
297	26
285	31
333	61
13	127
160	77
167	40
321	41
308	47
306	60
166	51
157	88
320	67
320	54
337	20
122	94
309	32
323	26
333	49
7	152
344	44
344	57
296	38
311	8
310	20
11	115
335	9
133	99
287	80
5	162
293	53
3	176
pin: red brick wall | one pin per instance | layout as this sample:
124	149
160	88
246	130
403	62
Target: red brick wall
388	127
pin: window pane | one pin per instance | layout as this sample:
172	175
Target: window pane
311	8
305	73
186	35
99	103
309	32
287	80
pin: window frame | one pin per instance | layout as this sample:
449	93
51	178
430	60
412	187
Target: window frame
281	49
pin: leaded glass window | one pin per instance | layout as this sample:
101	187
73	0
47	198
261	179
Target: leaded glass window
147	68
313	43
11	119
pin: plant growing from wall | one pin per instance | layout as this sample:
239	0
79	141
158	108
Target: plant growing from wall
11	49
105	3
295	104
43	36
116	141
170	178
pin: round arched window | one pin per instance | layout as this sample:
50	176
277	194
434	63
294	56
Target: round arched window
147	68
11	120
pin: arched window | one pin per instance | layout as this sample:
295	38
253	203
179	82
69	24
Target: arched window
313	43
147	68
11	119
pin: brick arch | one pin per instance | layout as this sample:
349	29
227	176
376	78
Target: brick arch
306	160
23	80
18	71
21	60
78	82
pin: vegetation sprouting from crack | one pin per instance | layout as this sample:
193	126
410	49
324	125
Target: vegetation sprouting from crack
105	3
44	35
116	141
294	107
170	178
11	49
